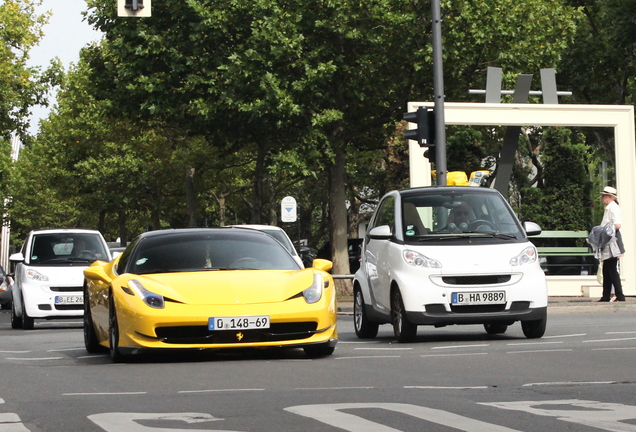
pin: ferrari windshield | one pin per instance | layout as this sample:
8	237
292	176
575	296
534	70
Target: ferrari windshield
225	249
436	213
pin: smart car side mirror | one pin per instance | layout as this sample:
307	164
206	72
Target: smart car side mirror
531	228
16	257
382	232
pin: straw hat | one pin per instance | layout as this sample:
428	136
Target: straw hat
608	190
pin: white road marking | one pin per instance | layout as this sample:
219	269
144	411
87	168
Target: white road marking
365	357
538	351
460	346
561	383
446	388
564	336
534	343
454	355
334	388
33	358
104	394
608	340
384	349
221	390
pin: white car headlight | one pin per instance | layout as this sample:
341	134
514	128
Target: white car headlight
527	256
416	259
314	292
36	276
151	299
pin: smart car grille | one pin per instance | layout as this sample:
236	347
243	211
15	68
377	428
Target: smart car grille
66	288
69	307
277	332
476	280
478	308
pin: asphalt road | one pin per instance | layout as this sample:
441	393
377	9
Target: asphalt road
579	377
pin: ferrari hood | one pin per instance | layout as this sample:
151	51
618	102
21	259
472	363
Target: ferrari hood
229	287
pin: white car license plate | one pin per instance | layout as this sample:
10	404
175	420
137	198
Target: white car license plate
478	298
70	299
239	323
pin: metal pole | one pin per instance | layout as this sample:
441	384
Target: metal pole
438	89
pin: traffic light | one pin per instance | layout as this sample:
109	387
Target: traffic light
430	154
425	132
134	5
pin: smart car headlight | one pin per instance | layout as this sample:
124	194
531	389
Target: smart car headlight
416	259
527	256
36	276
314	292
151	299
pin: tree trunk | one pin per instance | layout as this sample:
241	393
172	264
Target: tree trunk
191	202
338	225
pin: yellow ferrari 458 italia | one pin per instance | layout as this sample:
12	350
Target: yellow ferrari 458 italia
208	288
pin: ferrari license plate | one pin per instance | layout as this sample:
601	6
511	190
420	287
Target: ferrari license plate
478	298
69	299
239	323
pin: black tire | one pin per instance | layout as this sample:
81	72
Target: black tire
364	328
534	329
113	332
495	328
404	330
320	350
90	337
6	305
27	322
16	321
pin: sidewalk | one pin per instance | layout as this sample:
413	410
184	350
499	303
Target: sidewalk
556	305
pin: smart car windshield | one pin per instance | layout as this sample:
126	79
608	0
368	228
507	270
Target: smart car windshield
453	214
199	251
65	248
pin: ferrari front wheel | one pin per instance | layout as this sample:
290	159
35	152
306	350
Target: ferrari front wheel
319	350
90	337
113	332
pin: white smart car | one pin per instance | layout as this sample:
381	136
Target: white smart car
448	255
49	274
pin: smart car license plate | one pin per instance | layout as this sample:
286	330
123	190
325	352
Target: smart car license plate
70	299
478	298
239	323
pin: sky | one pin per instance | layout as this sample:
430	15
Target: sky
64	36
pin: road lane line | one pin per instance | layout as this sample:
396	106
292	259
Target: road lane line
538	351
609	340
105	394
220	390
460	346
334	388
447	387
33	358
366	357
383	349
564	336
453	355
561	383
534	343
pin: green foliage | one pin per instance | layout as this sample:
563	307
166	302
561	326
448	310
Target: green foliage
563	202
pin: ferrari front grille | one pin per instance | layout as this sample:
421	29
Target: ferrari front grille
277	332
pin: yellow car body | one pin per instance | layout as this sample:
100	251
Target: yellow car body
122	313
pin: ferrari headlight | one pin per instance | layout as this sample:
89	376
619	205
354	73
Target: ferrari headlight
36	276
151	299
416	259
314	292
527	256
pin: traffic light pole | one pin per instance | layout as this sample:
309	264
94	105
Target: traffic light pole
438	90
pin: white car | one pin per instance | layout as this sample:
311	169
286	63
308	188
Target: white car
49	274
448	255
280	235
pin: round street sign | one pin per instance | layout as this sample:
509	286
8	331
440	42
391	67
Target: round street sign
288	209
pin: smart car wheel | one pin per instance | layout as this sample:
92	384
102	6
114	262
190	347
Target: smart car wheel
364	328
16	321
404	331
27	322
90	337
495	328
113	332
534	329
